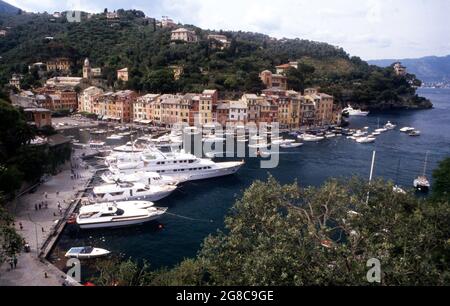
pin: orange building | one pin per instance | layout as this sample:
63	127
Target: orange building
273	80
39	117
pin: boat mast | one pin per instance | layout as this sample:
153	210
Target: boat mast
371	174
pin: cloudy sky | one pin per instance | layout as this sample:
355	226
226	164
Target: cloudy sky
371	29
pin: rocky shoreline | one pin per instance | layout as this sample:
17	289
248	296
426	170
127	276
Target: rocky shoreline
406	103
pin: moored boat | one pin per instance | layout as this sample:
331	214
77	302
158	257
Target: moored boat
86	252
108	215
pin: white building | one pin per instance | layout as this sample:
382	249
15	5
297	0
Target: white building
184	35
64	81
238	111
87	98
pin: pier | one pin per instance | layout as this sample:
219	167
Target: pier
59	196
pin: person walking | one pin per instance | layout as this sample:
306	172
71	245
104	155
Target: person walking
15	261
11	263
21	226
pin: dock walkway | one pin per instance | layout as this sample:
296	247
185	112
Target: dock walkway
41	227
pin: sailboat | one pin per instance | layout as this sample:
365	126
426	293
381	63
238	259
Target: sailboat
380	130
422	183
397	188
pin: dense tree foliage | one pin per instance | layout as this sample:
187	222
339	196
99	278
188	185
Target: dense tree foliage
441	184
10	242
285	235
148	52
19	161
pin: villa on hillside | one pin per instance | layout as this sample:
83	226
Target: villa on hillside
184	35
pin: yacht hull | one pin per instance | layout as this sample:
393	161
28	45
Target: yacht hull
152	198
225	170
118	223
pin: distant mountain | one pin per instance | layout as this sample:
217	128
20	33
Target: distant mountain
8	8
428	69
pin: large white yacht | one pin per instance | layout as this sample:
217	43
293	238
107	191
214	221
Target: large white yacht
132	191
151	178
354	112
105	215
177	164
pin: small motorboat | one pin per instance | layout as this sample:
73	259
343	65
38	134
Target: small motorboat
381	130
330	135
86	252
282	141
114	137
407	129
262	145
256	137
359	133
414	133
310	138
365	140
398	189
291	145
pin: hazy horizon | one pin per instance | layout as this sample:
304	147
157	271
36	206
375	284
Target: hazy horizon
362	28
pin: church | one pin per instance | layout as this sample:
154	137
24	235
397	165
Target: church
89	72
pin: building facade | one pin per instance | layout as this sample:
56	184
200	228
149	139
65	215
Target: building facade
59	64
185	35
272	80
87	98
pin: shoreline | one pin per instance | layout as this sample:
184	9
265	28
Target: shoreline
41	228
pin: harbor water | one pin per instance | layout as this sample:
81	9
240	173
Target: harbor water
198	208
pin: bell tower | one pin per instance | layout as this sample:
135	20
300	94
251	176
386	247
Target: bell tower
86	69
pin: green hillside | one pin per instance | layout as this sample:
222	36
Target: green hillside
135	42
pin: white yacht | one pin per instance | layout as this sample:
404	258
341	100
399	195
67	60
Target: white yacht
365	140
291	145
359	133
310	138
114	137
118	214
422	183
381	130
283	141
390	126
151	178
354	112
131	191
257	138
178	164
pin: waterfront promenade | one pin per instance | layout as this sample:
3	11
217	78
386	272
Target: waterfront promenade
37	226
